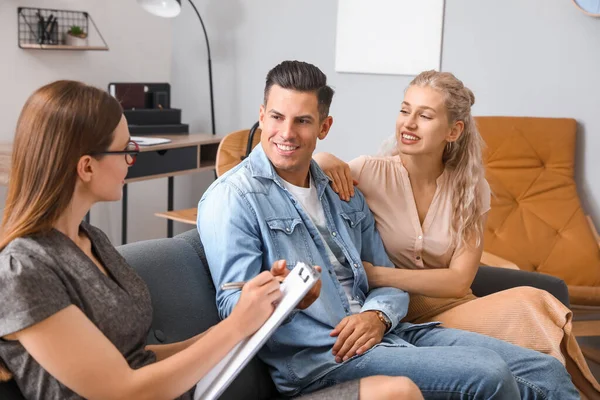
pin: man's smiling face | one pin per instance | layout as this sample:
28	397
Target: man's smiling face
290	126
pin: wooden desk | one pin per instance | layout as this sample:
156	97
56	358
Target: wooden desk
185	154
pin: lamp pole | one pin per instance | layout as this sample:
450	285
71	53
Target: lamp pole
170	9
210	80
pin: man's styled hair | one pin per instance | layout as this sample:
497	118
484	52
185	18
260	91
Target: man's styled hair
302	77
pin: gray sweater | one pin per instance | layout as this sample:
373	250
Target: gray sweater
43	274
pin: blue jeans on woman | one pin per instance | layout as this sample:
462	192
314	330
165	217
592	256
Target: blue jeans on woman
453	364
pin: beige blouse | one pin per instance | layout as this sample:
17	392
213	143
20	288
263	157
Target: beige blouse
385	183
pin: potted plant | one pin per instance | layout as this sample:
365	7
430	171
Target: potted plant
75	36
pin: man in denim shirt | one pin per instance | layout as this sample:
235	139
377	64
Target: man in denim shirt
278	205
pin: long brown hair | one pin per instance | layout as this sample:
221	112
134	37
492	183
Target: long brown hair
59	123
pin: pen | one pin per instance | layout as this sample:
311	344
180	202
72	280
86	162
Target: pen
233	285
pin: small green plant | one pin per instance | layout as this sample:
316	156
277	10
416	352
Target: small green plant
76	30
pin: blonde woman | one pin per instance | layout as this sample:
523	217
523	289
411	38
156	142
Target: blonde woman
430	200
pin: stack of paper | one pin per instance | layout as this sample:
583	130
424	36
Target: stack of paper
149	141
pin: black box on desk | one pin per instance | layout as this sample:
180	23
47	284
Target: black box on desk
153	116
141	95
158	129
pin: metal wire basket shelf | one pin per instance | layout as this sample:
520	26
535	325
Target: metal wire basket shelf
48	29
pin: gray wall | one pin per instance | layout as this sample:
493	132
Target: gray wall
529	58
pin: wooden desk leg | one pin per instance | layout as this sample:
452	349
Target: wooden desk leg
171	185
124	216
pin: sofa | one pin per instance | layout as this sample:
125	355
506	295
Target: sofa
183	298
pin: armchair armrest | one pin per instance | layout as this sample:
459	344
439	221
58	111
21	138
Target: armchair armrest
492	260
491	280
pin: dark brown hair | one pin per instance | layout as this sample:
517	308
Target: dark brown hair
302	77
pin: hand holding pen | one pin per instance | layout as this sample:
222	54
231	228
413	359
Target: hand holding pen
280	271
255	304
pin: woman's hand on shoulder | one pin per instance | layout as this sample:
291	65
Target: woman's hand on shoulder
339	172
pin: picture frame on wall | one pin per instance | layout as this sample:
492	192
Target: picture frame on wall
375	36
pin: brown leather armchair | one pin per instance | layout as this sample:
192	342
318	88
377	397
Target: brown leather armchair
536	220
235	147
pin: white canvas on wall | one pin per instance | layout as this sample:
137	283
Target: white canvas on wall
400	37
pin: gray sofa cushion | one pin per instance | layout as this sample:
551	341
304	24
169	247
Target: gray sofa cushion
193	239
183	300
493	279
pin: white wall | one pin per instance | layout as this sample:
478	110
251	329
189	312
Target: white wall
536	58
140	50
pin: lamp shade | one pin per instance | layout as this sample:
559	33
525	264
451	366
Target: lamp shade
161	8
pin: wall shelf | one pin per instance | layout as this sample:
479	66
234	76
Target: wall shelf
46	29
34	46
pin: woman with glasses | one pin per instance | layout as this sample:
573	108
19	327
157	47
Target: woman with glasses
74	316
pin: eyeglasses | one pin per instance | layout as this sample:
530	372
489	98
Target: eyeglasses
130	152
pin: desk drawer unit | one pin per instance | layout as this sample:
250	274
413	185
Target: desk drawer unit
167	161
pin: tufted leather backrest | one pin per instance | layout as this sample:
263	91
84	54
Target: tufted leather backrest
536	220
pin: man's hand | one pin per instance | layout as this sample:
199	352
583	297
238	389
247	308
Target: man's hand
357	334
280	271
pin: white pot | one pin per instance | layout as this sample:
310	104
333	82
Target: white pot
75	41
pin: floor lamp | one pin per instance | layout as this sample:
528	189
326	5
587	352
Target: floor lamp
171	9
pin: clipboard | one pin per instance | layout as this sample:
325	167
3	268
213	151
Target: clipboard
294	287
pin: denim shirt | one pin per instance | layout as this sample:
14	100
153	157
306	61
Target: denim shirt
247	220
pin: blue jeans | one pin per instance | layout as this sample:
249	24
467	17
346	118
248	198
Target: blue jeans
454	364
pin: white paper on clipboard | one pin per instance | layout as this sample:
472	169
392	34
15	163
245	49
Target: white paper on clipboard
294	287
